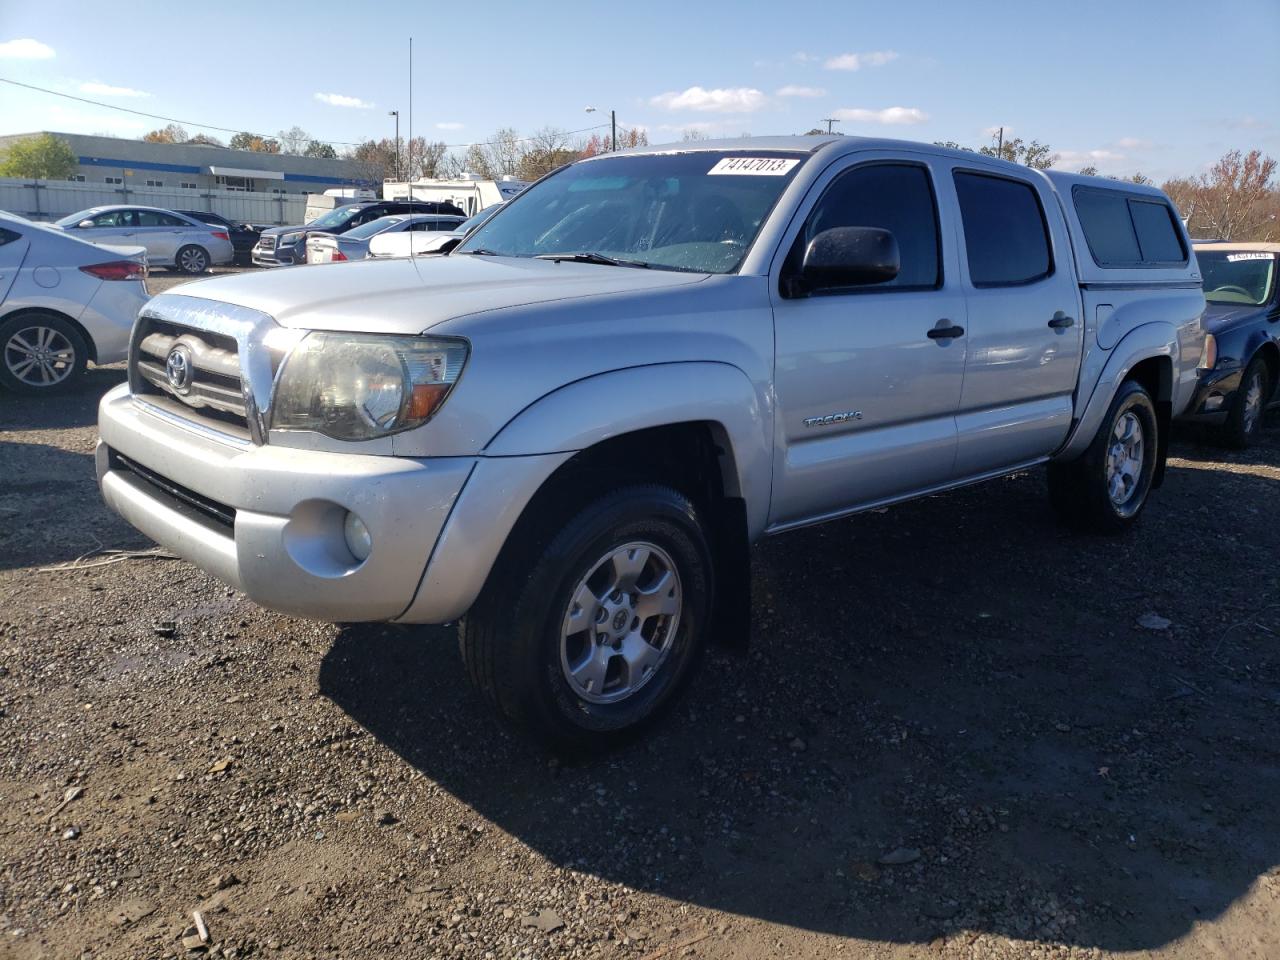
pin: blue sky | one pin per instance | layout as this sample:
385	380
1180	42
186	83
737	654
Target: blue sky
1162	87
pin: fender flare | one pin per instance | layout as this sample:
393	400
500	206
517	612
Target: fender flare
1157	339
581	414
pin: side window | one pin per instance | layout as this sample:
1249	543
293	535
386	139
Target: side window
8	236
1127	231
1006	238
894	197
154	218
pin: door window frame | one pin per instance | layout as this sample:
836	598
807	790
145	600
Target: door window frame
959	170
821	187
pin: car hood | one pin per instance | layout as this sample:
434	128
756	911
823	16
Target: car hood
412	295
277	231
1220	317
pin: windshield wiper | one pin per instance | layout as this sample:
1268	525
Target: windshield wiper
589	257
482	252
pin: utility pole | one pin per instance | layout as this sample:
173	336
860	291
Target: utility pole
396	114
1000	144
829	121
613	122
408	173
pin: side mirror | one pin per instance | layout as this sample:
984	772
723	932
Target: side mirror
84	224
448	245
851	257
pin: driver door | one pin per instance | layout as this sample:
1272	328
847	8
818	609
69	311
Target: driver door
868	378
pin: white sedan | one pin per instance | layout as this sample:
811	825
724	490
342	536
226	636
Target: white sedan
63	303
420	244
354	244
171	239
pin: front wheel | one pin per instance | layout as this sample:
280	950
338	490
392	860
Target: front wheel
1105	489
585	634
192	260
1244	421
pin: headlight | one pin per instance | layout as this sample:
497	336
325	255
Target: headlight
357	387
289	239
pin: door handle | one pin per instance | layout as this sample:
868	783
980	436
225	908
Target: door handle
948	332
1061	321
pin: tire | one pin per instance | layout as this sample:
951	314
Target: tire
191	260
562	685
1244	420
41	354
1106	488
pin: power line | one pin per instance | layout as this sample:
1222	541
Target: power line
264	136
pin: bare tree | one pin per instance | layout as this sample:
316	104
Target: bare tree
173	133
1235	200
294	140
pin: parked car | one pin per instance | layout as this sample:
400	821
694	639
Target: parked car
170	239
63	303
1243	316
418	243
243	235
569	429
285	246
354	244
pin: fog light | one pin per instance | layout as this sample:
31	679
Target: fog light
357	535
1213	402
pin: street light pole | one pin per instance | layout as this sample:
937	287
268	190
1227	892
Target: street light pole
396	114
613	127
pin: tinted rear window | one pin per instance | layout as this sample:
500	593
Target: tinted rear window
1127	231
1005	234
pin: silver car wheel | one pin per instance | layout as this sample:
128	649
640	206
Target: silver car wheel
1252	403
621	622
39	356
1125	461
193	260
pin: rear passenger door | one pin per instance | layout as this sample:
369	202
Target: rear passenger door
1024	331
160	234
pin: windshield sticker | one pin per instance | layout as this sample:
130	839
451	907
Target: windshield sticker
753	167
1256	255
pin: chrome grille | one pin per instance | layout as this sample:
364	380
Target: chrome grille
213	389
267	242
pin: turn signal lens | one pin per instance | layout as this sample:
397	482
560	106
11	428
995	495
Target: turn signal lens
117	270
1209	355
221	235
338	255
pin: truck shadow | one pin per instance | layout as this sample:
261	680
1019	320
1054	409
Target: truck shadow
76	406
954	683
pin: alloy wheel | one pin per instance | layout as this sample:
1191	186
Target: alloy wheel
39	356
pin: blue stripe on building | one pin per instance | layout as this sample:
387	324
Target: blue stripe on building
138	165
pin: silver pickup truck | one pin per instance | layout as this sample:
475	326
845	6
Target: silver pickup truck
568	430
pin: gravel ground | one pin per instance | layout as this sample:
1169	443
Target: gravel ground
958	732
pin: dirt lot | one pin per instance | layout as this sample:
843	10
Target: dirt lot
955	685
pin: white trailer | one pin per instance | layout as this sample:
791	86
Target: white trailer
470	193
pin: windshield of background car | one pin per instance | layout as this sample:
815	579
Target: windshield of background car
372	228
335	218
72	219
471	223
1237	276
698	211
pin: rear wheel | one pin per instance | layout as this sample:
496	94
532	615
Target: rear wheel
192	260
1106	488
585	635
1244	421
40	353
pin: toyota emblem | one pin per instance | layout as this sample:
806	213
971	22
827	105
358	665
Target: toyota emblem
177	368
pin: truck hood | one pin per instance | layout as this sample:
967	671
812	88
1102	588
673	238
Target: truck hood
412	295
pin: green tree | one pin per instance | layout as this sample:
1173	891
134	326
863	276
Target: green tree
204	138
45	157
1034	154
323	150
254	142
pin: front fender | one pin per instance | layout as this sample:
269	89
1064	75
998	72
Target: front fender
1157	339
588	411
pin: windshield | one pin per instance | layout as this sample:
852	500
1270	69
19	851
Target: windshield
696	211
1237	276
72	219
466	226
372	228
335	218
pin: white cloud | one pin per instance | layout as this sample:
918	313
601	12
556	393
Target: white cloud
449	125
801	57
729	100
25	49
794	91
339	100
990	132
856	61
893	116
106	90
1132	143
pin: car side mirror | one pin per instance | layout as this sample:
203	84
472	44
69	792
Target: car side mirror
850	257
84	224
449	245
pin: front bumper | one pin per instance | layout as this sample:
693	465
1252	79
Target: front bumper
268	520
1215	393
279	256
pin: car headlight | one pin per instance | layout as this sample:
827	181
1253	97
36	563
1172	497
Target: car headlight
360	387
289	239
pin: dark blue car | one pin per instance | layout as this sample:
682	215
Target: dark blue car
1243	314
